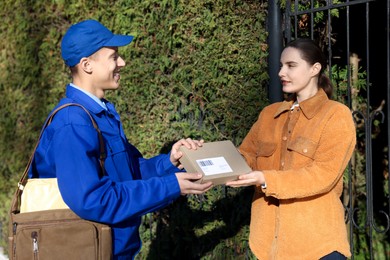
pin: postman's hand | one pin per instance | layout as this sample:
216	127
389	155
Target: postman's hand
188	186
176	154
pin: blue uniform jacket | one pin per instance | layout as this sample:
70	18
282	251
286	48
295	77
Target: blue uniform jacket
132	186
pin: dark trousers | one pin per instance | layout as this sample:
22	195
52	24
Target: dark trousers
334	256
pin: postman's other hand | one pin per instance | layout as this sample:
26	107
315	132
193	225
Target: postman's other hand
188	186
176	154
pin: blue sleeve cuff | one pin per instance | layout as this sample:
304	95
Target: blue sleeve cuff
168	166
173	183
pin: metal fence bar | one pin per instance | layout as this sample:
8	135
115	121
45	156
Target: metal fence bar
330	6
388	95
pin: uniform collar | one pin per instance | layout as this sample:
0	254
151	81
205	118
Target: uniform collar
95	98
309	107
83	99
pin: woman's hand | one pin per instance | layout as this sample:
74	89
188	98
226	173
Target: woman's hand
176	154
249	179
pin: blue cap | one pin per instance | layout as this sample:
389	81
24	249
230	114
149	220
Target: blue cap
87	37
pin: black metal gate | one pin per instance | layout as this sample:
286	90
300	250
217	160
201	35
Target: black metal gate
355	36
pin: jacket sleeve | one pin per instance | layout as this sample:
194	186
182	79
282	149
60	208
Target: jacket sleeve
159	165
73	150
334	150
248	146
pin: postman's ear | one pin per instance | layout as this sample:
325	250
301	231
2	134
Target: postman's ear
86	65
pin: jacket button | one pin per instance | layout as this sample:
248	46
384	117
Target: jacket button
284	138
305	150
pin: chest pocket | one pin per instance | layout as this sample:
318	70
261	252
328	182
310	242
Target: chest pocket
303	146
265	155
122	160
265	149
115	146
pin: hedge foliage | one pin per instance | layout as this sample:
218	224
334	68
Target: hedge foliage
195	69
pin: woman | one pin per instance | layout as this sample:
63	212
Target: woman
299	150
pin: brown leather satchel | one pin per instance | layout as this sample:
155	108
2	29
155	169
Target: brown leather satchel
55	233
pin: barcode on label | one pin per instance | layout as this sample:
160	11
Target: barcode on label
215	165
206	163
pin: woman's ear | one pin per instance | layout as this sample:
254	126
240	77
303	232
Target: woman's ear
85	65
316	68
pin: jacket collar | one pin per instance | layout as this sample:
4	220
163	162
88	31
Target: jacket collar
81	98
309	107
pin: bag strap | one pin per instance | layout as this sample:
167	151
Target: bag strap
23	180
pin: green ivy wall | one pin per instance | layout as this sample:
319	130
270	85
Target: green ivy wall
195	69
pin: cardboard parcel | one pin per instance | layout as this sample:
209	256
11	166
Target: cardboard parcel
219	162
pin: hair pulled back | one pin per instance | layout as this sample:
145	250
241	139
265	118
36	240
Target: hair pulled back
311	53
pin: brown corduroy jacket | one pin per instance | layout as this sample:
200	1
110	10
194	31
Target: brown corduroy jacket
303	153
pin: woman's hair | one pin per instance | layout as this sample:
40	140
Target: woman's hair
311	53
